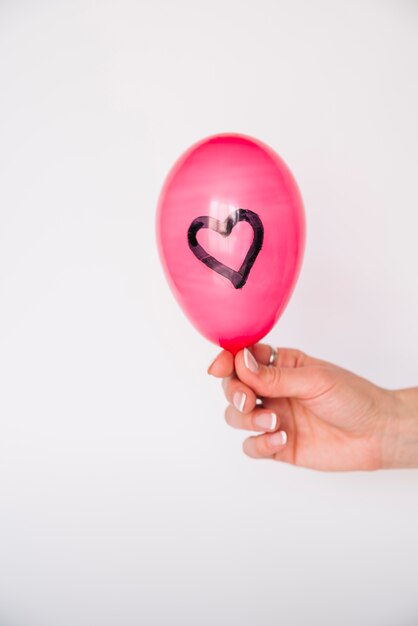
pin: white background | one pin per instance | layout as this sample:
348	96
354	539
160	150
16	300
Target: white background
124	498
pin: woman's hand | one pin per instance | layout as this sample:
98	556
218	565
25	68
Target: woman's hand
315	414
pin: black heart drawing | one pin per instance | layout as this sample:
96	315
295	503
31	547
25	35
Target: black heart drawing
224	228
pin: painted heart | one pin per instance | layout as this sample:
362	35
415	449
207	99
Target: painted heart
224	227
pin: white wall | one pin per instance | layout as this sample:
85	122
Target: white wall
124	498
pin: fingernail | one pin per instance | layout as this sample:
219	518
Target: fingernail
250	362
277	439
239	399
266	421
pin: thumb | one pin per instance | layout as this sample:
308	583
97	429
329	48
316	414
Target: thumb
272	381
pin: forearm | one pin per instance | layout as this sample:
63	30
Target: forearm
401	437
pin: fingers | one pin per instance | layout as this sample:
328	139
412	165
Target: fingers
259	420
249	376
286	357
272	444
222	366
267	446
278	381
239	395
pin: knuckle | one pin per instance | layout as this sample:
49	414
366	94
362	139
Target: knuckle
271	379
300	358
292	357
323	378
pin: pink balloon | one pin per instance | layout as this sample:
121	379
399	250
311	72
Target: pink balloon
231	234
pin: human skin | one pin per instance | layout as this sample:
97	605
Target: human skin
314	414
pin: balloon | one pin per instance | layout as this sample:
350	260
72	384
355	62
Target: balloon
231	235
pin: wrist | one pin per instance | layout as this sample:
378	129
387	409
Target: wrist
400	436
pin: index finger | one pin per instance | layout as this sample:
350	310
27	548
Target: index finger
223	365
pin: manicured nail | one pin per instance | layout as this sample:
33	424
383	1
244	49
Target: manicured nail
250	362
277	439
239	400
266	421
